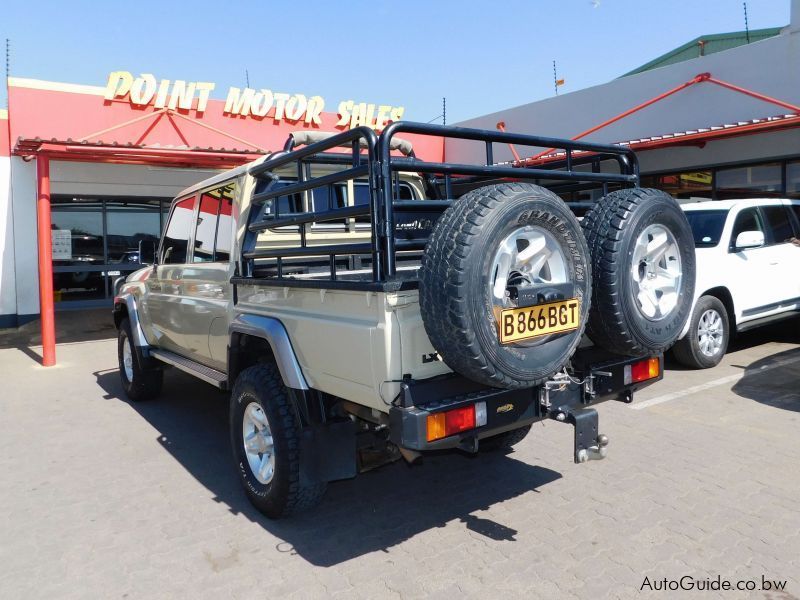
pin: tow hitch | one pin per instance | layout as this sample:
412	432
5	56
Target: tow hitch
589	445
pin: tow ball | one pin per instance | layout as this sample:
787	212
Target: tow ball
589	444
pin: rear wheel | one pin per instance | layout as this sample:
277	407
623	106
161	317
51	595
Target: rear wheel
497	249
707	340
265	438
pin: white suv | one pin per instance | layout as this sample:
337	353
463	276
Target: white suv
748	272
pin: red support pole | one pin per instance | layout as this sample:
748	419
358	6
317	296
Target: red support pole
45	261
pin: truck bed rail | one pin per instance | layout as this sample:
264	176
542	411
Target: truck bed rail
370	157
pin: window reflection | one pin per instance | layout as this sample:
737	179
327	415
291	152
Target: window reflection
97	239
743	181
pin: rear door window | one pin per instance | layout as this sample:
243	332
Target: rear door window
779	226
796	210
176	238
205	228
223	245
212	238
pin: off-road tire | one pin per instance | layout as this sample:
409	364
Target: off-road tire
455	283
612	227
148	378
504	441
284	494
687	350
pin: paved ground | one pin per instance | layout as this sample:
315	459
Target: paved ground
101	498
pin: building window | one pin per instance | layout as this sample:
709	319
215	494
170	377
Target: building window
793	179
689	184
741	182
95	240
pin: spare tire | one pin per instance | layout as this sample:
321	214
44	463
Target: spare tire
643	265
510	254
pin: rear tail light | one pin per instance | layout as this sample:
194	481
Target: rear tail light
454	421
642	370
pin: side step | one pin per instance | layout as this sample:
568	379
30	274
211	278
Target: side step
207	374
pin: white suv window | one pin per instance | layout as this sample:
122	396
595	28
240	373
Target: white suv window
779	224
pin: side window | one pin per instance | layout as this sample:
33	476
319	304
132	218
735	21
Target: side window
361	196
212	238
206	228
796	211
176	236
778	223
222	248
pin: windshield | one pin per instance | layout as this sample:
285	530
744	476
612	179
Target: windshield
706	226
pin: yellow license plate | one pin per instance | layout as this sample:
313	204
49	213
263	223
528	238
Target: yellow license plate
518	324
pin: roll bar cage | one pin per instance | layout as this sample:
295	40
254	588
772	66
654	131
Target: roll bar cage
371	157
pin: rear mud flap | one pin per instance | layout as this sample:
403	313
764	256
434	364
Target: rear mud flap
328	452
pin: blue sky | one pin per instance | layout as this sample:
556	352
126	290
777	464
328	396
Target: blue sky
483	56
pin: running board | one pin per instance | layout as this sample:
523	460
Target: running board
207	374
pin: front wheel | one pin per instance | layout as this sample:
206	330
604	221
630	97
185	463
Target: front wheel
140	380
709	331
265	438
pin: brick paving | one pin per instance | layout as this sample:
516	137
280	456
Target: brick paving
101	498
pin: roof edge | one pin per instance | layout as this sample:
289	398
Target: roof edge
56	86
771	31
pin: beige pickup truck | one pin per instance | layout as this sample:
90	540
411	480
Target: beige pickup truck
363	305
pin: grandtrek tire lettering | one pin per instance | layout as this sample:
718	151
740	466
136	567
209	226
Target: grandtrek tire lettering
458	292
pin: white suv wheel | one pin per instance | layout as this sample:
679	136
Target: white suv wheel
710	332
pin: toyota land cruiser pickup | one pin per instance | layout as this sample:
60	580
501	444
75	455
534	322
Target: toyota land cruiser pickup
362	304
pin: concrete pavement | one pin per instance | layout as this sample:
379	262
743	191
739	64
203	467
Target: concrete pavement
102	498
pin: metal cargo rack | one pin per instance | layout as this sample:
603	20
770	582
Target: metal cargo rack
370	158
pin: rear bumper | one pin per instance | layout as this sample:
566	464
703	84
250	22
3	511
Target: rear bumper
597	377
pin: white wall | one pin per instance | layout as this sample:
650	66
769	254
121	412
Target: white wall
8	288
26	253
770	66
122	180
19	277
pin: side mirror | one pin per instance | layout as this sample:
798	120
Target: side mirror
749	239
147	252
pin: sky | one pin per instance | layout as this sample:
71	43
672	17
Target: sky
482	56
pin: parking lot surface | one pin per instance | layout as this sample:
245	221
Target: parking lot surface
103	498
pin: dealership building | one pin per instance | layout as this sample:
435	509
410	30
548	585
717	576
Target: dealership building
95	167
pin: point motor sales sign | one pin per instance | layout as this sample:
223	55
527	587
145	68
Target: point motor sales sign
244	102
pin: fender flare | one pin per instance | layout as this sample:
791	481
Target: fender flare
273	331
127	299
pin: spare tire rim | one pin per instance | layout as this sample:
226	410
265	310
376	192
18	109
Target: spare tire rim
656	271
259	447
528	255
710	333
